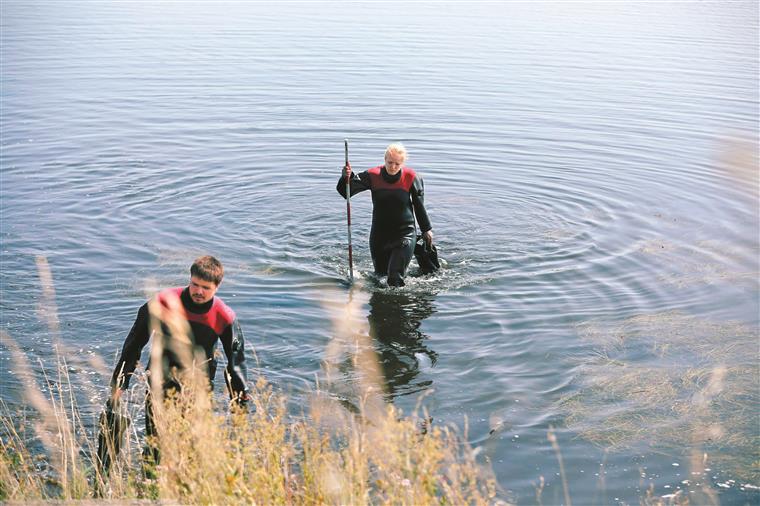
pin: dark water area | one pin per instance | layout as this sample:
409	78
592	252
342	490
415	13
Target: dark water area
591	172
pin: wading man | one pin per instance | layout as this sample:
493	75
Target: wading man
185	324
397	196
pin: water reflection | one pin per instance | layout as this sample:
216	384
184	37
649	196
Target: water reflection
395	318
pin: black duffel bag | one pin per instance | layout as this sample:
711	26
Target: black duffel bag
427	256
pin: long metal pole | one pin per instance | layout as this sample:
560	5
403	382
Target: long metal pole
348	219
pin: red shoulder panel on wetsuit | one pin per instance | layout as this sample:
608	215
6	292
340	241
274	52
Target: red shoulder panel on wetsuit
218	317
403	183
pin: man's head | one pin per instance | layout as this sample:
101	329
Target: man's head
395	156
206	275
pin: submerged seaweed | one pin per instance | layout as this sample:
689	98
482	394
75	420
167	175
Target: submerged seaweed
671	381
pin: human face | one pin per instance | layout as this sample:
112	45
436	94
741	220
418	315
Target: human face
202	291
393	163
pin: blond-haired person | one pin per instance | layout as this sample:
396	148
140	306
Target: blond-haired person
397	197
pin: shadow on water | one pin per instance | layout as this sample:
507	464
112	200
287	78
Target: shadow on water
378	351
395	319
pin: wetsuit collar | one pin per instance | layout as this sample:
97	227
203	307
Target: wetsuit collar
391	179
191	306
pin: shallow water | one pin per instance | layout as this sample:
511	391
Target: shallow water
588	166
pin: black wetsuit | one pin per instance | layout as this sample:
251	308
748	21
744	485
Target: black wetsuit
396	200
209	322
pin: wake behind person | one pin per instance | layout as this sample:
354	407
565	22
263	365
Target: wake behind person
397	197
208	320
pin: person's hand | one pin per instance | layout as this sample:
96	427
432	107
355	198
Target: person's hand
428	238
241	400
347	170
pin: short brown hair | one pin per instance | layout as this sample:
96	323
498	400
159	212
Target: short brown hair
208	268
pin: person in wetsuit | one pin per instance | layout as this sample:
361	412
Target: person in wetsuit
209	319
397	196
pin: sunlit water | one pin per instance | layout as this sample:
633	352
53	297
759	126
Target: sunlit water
588	167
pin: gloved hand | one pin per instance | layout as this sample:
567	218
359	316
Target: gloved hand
241	400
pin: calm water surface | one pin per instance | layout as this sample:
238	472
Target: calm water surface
591	174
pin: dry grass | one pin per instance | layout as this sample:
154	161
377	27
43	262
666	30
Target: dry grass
220	454
211	456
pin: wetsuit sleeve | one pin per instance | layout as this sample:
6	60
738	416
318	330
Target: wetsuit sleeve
359	183
130	353
418	200
233	343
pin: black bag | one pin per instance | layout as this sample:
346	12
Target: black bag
427	257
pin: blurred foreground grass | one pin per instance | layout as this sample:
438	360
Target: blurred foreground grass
259	456
216	454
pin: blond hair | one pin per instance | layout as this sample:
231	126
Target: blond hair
398	148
